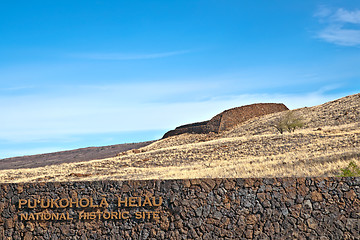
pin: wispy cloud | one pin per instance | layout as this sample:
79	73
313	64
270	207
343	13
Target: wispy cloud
338	35
128	56
342	26
342	15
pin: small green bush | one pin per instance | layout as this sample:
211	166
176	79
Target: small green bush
352	170
288	123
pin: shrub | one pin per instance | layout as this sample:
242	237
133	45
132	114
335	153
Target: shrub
352	170
280	126
288	123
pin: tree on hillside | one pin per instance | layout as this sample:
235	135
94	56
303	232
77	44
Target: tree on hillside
289	123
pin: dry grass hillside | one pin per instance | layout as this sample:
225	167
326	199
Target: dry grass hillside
328	141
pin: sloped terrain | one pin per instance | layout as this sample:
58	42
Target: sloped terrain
329	140
71	156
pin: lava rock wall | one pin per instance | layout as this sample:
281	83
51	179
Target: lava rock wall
280	208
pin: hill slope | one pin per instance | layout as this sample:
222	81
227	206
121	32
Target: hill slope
71	156
327	142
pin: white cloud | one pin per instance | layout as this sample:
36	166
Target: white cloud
340	36
123	56
342	15
338	30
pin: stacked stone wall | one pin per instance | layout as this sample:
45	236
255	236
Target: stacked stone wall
280	208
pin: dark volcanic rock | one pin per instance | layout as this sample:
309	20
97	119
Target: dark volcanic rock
228	119
190	209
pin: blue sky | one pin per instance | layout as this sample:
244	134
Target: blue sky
91	73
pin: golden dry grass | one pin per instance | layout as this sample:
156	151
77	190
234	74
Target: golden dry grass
327	143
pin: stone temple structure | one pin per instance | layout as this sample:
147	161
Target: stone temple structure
228	119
